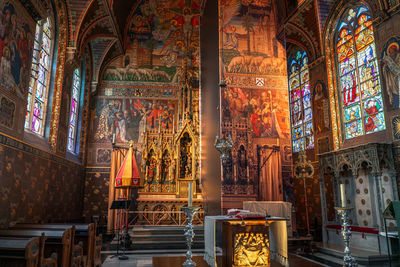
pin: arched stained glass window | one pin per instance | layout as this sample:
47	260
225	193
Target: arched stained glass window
358	74
40	77
300	101
74	112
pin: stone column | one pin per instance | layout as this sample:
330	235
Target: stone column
210	162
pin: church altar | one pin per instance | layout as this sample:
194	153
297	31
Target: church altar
249	241
272	208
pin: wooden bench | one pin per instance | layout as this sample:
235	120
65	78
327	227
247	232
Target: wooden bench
55	241
19	252
85	233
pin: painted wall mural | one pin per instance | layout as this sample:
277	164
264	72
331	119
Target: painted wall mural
16	37
160	35
255	109
391	70
127	119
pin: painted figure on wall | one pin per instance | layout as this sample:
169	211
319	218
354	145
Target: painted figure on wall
15	40
248	46
260	107
391	70
159	35
127	119
321	107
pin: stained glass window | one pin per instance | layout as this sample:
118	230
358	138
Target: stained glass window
300	102
360	89
73	118
40	77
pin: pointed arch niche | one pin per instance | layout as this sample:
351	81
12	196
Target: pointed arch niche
353	74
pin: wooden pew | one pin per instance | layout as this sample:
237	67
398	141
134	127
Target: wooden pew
42	262
56	241
84	232
17	252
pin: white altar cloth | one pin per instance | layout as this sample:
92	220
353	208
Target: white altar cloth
277	239
274	209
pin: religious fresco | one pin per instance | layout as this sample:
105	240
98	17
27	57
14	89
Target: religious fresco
159	36
390	70
127	119
255	108
265	110
16	37
247	39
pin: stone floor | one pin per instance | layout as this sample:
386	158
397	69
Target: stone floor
163	260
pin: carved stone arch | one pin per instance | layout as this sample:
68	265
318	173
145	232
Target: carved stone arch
363	164
341	167
292	45
307	44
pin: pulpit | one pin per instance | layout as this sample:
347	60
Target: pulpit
245	242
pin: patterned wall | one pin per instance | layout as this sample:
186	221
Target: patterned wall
96	192
36	185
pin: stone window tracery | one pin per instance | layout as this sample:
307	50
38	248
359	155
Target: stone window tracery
358	75
40	77
300	101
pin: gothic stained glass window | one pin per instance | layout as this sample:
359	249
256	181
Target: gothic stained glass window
300	102
74	112
358	73
40	77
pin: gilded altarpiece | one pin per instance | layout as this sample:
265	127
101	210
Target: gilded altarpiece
150	96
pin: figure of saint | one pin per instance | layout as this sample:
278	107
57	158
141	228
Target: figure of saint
120	127
242	164
372	107
165	167
104	130
391	72
321	109
349	88
151	167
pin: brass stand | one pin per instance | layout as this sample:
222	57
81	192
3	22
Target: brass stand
348	260
189	234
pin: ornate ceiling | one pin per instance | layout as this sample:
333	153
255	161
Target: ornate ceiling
99	24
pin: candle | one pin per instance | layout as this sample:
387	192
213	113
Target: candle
343	195
190	193
113	138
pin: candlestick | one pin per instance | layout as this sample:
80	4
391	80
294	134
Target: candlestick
343	195
190	193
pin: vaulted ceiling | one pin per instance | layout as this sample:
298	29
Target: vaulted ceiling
101	25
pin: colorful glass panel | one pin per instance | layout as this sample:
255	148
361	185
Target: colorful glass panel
352	113
40	78
300	102
76	88
358	74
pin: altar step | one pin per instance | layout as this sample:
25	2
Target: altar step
164	238
335	254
